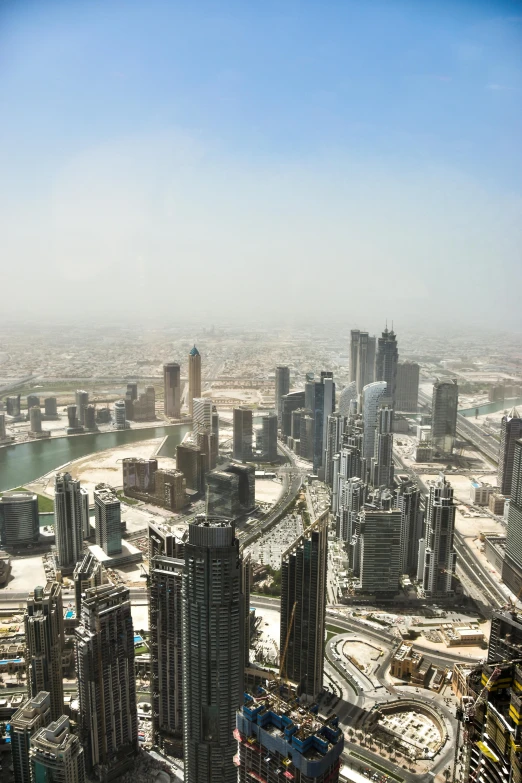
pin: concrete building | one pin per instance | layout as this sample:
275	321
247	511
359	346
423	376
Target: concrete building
88	573
408	500
12	405
51	408
34	714
68	521
278	738
107	515
269	437
170	489
386	363
172	390
194	376
365	361
213	657
496	504
407	391
35	419
381	467
202	409
33	401
165	611
82	400
19	521
512	571
380	550
479	493
290	402
231	491
72	418
505	638
346	398
444	405
320	399
193	463
139	475
242	434
144	407
282	387
120	414
303	607
107	718
90	417
44	639
510	432
372	398
439	555
352	497
56	754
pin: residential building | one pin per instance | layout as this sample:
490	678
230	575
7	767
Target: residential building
510	432
82	400
381	468
512	570
44	639
120	415
170	489
107	718
242	434
88	573
56	754
68	521
277	738
372	398
282	387
407	390
320	399
439	555
365	361
139	475
496	504
479	493
213	643
34	714
444	415
346	398
201	415
408	500
290	402
172	390
19	520
380	549
194	377
107	515
335	429
386	362
303	607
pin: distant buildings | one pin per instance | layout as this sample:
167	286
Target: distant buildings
140	407
439	555
303	607
19	521
139	476
213	658
56	754
120	415
510	432
445	401
348	394
242	434
33	401
69	509
172	390
107	514
194	376
282	387
34	714
512	569
201	415
12	405
269	437
82	401
50	408
231	491
362	359
290	402
44	638
386	362
407	391
320	400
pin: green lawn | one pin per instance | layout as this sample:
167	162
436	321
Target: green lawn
124	499
45	504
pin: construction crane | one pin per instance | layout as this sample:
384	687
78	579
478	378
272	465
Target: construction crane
282	668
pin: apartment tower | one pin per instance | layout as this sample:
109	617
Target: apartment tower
69	509
44	639
34	714
107	514
19	520
56	754
512	568
440	557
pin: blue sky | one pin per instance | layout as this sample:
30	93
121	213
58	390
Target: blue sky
324	148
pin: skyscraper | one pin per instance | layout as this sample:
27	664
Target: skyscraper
213	644
201	415
56	754
230	492
407	392
352	496
289	403
512	569
242	434
380	549
44	639
510	432
107	717
381	469
19	520
444	405
68	509
320	399
440	557
372	398
3	433
355	336
365	361
172	390
194	376
269	437
82	400
88	573
194	465
386	361
303	607
120	415
107	514
35	419
31	716
408	500
282	387
348	394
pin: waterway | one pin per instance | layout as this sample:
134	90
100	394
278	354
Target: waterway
26	462
492	407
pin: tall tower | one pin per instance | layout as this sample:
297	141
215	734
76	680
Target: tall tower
82	400
68	507
382	460
106	681
444	405
511	431
408	500
407	392
194	376
512	569
372	398
282	387
365	361
172	390
34	714
303	607
107	514
380	549
56	754
213	649
242	434
44	639
355	338
201	415
269	434
386	361
440	557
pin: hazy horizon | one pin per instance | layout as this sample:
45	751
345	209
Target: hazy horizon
325	162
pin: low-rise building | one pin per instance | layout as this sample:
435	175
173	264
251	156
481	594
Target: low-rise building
496	504
459	635
480	494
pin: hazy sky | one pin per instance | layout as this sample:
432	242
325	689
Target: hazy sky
262	159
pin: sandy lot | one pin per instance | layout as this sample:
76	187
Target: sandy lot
268	491
26	574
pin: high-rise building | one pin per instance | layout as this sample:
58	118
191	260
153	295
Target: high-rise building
170	489
194	376
172	390
88	573
348	394
386	361
90	417
290	402
380	549
510	432
381	468
355	336
201	415
107	716
144	407
33	401
35	419
165	610
19	521
269	437
320	399
213	657
107	515
444	415
242	434
365	361
34	714
407	391
68	510
282	387
277	735
56	754
12	405
352	496
120	415
335	429
372	398
3	433
231	491
132	390
86	520
505	638
72	418
440	557
512	568
408	500
139	475
193	463
82	400
303	607
51	408
44	639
